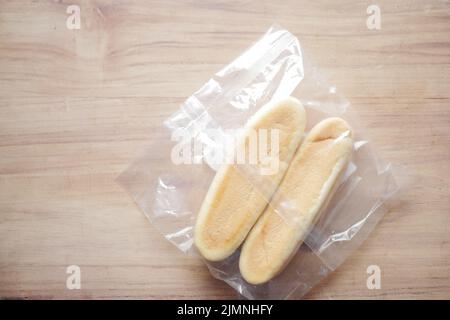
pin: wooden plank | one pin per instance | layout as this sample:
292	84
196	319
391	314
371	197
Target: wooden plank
76	106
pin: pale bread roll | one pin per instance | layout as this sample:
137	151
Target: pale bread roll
304	192
233	204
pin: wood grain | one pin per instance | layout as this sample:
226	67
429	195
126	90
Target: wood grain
76	106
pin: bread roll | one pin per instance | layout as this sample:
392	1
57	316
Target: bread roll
304	192
233	203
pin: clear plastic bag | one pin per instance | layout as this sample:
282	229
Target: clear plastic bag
170	194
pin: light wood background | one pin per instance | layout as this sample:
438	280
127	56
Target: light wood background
76	106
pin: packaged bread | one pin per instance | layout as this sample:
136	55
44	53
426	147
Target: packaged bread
304	192
233	202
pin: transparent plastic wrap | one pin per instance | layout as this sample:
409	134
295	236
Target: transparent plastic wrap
170	181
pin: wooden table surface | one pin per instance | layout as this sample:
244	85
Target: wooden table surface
76	106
